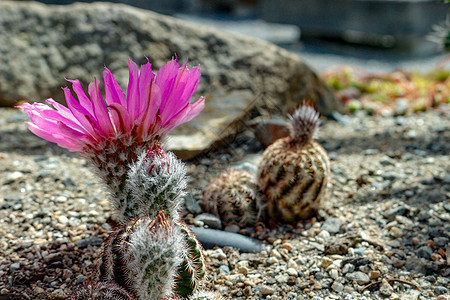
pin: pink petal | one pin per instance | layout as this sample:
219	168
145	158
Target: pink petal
113	92
84	100
70	132
133	104
100	111
148	117
190	112
145	79
165	79
79	112
54	138
121	114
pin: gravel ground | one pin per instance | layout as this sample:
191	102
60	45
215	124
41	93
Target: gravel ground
384	231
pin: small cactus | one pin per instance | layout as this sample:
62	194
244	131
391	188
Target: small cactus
234	198
294	171
142	256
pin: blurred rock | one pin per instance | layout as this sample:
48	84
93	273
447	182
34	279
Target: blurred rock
40	45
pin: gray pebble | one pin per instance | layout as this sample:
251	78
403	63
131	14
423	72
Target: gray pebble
14	267
92	241
332	225
212	221
192	205
224	269
359	277
424	252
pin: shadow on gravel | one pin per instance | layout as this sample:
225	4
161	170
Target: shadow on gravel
436	143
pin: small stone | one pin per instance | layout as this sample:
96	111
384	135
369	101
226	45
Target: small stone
14	267
386	161
212	221
401	106
267	290
92	241
440	290
385	288
337	287
224	269
81	278
52	257
217	253
282	278
232	228
59	294
424	252
415	241
332	225
191	204
243	270
275	253
271	260
375	274
395	232
287	246
359	277
325	262
63	220
292	272
348	268
334	274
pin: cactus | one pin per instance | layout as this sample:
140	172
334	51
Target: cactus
193	268
156	181
142	256
294	171
100	291
234	198
119	134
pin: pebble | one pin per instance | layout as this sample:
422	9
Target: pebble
359	277
14	267
292	272
224	269
348	268
217	253
337	287
92	241
332	225
59	294
334	273
192	204
424	252
210	220
325	262
385	288
375	274
267	290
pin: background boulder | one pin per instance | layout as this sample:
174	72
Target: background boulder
40	45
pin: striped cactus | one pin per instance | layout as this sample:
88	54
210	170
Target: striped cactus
234	198
294	171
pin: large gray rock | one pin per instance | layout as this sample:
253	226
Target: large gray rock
40	45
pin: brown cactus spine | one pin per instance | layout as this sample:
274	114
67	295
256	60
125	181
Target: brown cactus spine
294	171
234	198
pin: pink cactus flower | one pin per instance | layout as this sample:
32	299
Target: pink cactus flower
152	106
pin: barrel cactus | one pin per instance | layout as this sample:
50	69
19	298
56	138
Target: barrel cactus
234	198
294	171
